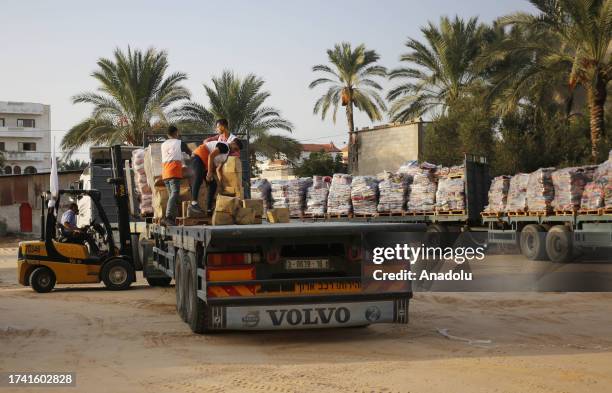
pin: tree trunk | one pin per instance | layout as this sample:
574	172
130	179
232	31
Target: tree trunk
597	99
352	151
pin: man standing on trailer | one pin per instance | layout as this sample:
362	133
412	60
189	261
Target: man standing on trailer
172	171
224	135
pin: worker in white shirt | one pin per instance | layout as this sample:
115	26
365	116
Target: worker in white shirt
172	171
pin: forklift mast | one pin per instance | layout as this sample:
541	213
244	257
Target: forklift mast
121	196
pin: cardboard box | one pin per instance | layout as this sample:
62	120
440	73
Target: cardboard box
256	205
227	204
153	165
278	215
245	216
160	198
222	218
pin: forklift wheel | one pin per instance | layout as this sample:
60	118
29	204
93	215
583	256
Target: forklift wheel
159	281
117	274
42	279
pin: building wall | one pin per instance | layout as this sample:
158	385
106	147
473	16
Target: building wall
13	136
16	190
387	147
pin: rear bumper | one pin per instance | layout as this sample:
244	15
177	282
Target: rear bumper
307	315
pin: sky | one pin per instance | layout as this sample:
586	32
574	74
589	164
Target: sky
50	48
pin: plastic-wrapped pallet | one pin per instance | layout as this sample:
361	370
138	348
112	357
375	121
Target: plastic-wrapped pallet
498	194
422	196
569	185
517	193
364	194
339	197
540	190
262	189
450	194
142	185
280	193
296	195
598	193
393	189
316	197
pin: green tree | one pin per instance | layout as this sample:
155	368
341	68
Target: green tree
69	165
351	79
439	71
579	47
320	164
242	101
135	93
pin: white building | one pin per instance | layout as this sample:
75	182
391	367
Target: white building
329	148
25	137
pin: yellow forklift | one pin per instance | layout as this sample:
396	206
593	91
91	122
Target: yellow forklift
54	260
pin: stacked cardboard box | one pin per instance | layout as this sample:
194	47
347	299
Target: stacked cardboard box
231	184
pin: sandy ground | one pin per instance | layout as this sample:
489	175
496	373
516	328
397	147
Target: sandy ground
134	341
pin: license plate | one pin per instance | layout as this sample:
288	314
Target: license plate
306	264
325	287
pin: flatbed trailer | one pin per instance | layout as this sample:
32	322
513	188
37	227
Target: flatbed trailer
559	238
275	276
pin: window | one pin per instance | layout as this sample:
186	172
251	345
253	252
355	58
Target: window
2	146
26	123
30	170
27	146
17	170
8	170
2	123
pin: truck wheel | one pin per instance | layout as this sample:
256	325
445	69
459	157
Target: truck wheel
559	244
197	309
159	281
42	279
533	244
117	274
436	235
179	286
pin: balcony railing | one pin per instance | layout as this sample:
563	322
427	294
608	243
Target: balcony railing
23	132
25	156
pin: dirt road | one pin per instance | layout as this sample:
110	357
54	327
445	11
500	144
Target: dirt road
134	341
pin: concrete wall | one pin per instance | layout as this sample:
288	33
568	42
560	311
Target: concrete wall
18	189
387	147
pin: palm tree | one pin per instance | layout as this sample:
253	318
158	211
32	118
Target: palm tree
134	94
439	71
242	102
350	76
580	33
70	165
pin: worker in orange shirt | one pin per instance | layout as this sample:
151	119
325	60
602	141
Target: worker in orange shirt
208	158
172	171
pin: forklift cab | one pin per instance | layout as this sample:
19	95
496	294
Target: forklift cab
55	259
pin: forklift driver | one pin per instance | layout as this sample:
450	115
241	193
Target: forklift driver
74	234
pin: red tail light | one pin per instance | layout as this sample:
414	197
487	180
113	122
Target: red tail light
272	256
354	253
225	259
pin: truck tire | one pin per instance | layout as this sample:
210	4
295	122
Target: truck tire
42	279
197	310
159	281
436	235
179	286
117	274
533	243
559	244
